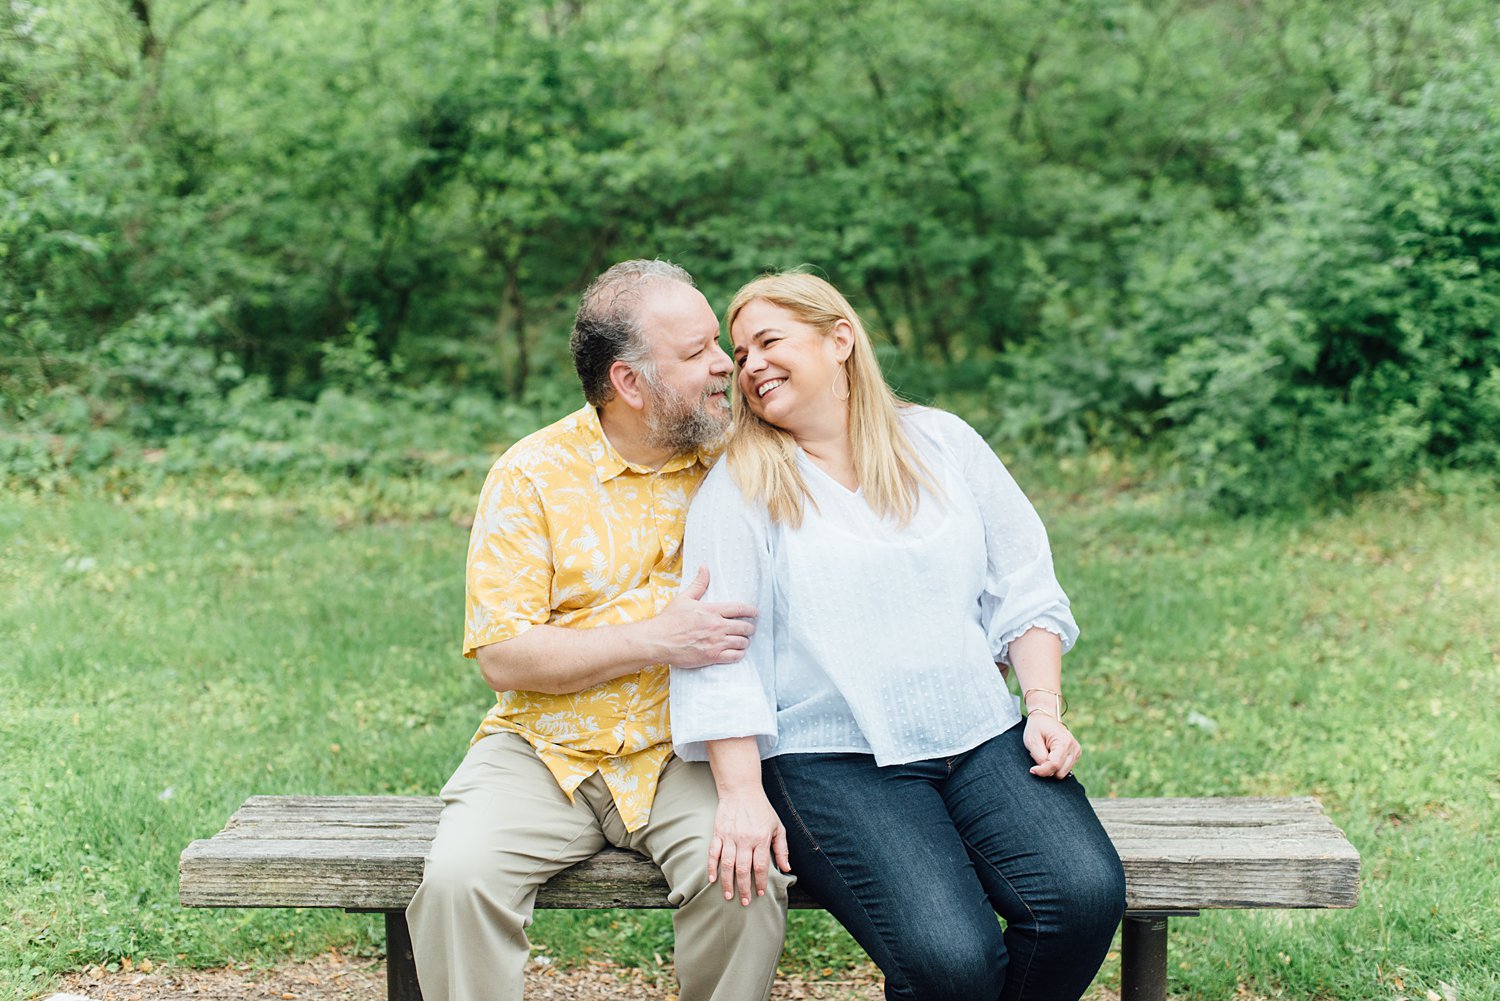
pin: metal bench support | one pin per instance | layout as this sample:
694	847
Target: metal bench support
1143	954
400	967
1143	958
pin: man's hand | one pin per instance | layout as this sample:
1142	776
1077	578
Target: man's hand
695	633
689	632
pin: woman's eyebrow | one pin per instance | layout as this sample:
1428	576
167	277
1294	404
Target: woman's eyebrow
754	337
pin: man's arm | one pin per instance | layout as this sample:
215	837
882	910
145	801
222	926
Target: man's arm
689	632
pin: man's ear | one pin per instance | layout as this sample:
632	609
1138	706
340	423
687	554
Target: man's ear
628	384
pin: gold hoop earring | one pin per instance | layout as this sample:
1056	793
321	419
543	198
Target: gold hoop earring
843	374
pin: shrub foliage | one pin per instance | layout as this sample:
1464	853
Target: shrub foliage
1259	239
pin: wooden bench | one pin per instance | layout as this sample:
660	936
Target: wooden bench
363	853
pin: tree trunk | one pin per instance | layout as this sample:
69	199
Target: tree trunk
150	44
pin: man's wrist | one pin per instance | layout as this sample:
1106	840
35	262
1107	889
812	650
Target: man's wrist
643	645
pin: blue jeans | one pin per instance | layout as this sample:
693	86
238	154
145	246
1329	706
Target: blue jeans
916	860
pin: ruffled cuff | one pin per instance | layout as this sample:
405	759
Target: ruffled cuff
1053	625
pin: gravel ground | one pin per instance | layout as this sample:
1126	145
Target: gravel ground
335	977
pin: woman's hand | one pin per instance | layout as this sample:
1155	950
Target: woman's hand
1052	745
747	833
1037	657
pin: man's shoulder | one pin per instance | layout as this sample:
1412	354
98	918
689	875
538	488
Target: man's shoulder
564	445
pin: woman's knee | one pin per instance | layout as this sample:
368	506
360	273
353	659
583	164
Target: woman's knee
1092	893
954	978
959	965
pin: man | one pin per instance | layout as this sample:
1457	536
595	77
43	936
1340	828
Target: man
573	613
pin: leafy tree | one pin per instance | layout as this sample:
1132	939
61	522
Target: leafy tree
1258	237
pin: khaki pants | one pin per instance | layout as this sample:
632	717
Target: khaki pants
506	828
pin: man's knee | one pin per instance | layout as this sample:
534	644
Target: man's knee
454	875
465	873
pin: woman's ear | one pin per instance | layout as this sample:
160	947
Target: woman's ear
842	336
630	388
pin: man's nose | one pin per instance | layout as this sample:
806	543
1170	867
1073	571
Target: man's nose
723	364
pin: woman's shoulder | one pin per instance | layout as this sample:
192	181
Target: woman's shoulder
720	511
719	481
720	490
940	425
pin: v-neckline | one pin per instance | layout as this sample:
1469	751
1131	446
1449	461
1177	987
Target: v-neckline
858	491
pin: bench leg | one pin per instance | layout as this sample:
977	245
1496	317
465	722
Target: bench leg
1143	958
400	968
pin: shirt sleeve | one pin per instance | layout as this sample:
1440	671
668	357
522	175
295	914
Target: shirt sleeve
732	539
508	582
1020	588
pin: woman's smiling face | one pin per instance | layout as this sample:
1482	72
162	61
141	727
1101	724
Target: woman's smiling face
786	368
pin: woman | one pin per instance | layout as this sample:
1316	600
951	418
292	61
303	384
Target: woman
897	569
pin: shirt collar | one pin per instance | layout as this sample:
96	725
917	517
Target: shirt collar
609	463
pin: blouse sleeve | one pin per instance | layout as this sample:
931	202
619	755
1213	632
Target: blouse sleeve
1021	591
732	539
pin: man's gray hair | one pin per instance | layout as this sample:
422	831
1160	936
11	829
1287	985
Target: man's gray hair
608	328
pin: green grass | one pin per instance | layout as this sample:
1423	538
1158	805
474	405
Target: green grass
162	658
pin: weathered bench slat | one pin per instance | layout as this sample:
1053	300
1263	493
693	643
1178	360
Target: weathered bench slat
366	853
260	808
382	875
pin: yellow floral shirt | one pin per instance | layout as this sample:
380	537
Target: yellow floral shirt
570	534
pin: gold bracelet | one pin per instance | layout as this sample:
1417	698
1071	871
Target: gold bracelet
1059	704
1048	712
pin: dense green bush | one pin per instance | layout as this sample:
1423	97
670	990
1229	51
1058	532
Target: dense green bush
1258	239
430	434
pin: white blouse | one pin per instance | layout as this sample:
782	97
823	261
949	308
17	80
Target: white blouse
871	638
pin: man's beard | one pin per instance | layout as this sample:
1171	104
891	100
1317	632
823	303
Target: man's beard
674	423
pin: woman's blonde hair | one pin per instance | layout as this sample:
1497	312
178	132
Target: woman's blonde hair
762	457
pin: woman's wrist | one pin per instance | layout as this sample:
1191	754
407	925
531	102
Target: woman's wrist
1048	700
739	785
735	762
1043	711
